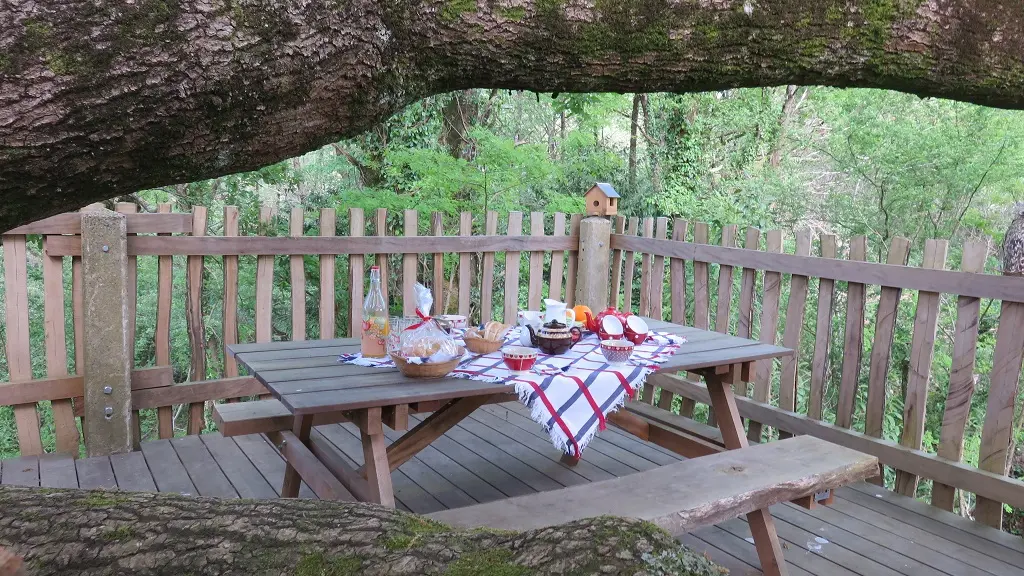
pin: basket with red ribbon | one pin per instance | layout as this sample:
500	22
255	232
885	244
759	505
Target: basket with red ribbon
424	349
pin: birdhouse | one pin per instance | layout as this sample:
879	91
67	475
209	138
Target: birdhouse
602	200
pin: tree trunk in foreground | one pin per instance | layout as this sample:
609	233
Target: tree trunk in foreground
104	97
79	532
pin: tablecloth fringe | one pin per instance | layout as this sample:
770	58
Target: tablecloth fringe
540	414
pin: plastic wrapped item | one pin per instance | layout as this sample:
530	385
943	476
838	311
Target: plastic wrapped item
425	342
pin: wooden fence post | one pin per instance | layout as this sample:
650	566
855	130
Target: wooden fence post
133	310
961	375
194	319
107	373
465	266
18	341
594	262
881	349
515	228
922	351
572	262
853	341
795	312
356	267
162	335
822	332
772	288
997	432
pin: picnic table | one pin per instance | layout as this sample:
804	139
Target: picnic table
307	378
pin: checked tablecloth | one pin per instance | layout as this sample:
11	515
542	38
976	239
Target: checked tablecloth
571	394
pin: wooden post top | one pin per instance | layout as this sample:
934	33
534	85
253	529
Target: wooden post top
594	262
107	371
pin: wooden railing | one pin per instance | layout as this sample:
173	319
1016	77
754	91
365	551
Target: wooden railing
487	268
808	327
834	388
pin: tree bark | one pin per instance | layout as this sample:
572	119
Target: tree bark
459	115
104	97
653	147
632	143
789	107
79	532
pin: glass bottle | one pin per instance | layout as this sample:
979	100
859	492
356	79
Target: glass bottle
373	342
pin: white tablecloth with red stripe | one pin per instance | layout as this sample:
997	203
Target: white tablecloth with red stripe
571	394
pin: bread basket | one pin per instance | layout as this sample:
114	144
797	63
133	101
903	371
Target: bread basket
432	370
483	346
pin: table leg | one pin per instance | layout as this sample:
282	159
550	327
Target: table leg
762	527
375	457
396	417
301	427
431	427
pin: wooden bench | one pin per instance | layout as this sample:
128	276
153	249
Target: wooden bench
686	437
268	416
686	495
260	416
682	435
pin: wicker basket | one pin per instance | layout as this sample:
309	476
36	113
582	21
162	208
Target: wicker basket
434	370
481	346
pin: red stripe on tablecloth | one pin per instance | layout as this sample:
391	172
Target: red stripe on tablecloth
554	414
625	384
590	398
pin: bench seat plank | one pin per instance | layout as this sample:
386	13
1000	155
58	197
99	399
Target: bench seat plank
266	416
676	422
683	496
261	416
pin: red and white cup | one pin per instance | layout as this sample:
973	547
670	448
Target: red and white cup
636	329
519	358
610	329
616	351
456	321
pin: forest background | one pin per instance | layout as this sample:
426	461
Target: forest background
840	161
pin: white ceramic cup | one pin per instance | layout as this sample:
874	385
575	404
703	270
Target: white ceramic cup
555	311
528	318
457	321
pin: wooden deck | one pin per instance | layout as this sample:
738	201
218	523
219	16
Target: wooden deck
498	452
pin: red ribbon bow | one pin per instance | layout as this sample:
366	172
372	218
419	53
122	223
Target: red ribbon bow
423	317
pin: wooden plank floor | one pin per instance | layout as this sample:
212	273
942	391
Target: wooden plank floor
499	452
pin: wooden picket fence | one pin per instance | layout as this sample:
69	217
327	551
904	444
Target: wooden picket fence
650	274
646	239
165	235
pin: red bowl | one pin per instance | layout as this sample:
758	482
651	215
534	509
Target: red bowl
610	329
519	358
636	330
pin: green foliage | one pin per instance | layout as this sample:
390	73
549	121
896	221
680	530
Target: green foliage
845	162
915	168
454	9
494	562
119	534
516	13
412	530
98	499
317	564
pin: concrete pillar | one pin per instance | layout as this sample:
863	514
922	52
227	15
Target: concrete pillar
107	370
594	264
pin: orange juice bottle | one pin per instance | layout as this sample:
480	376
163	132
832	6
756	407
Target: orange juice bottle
373	343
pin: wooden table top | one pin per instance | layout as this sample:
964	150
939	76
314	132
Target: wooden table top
707	349
307	377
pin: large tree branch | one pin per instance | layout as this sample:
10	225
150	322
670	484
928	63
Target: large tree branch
92	533
105	97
